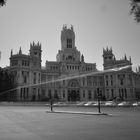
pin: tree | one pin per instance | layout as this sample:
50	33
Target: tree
135	9
2	2
6	84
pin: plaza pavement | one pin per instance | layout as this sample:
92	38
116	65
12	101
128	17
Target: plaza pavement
34	123
78	112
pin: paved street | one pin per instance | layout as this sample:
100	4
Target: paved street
34	123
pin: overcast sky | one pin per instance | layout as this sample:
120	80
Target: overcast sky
97	24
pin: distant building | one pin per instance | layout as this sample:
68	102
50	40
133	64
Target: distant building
34	80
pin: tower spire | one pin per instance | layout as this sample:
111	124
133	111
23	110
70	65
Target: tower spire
71	27
11	52
20	51
130	58
82	58
125	57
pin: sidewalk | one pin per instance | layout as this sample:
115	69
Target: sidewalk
24	103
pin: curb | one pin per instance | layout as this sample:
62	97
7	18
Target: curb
82	113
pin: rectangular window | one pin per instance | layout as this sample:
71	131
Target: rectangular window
112	92
63	82
39	78
83	82
111	83
22	62
121	82
14	62
95	95
63	93
34	78
27	92
21	93
25	79
69	43
83	93
89	82
49	93
55	94
24	92
89	94
106	83
119	91
43	92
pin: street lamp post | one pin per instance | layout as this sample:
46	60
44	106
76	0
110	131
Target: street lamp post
99	98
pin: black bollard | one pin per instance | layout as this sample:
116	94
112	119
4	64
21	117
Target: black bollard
51	104
99	98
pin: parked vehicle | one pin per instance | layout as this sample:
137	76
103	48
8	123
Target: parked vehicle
59	104
96	103
89	103
47	104
81	103
110	103
124	104
136	104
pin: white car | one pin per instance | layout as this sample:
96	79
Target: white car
59	104
124	104
96	103
81	103
88	103
136	104
110	103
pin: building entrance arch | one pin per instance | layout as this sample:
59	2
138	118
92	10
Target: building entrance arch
73	91
73	95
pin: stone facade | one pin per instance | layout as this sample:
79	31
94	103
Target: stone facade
69	78
27	72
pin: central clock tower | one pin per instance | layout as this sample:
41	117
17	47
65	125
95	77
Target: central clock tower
68	52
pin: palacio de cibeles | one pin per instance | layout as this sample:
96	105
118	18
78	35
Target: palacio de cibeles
70	78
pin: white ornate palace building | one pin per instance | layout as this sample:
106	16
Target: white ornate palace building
37	83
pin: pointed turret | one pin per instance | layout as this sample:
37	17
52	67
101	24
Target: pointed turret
139	69
82	58
11	52
20	51
33	43
125	57
130	58
136	70
107	48
38	43
72	27
103	50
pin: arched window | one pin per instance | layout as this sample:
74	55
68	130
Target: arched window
69	57
73	84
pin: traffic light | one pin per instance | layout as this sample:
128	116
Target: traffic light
98	90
